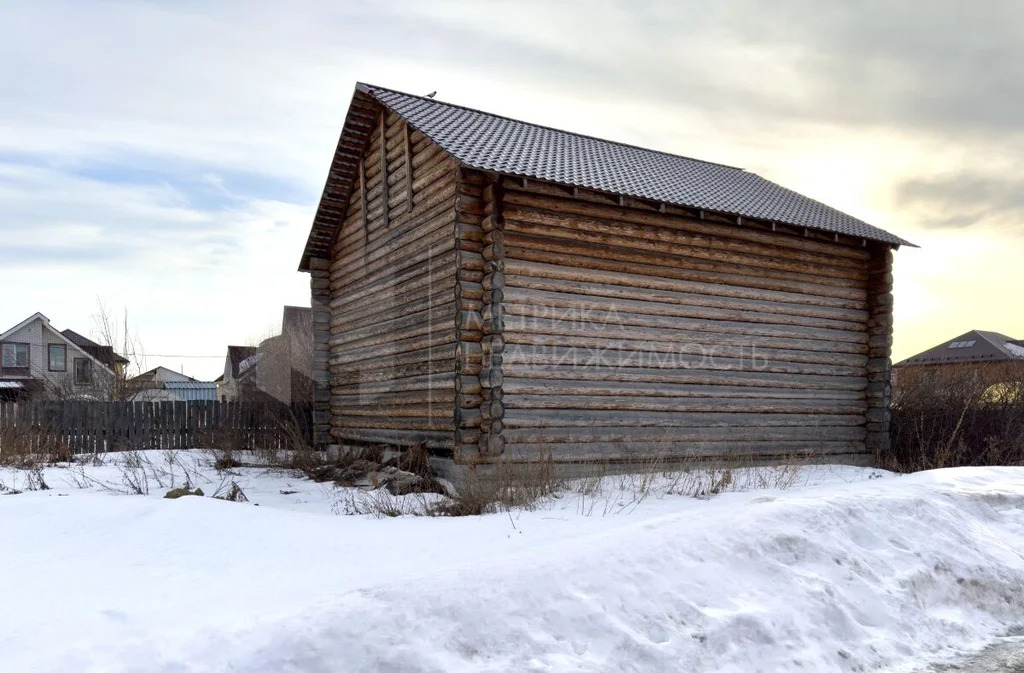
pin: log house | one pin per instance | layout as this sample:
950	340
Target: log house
498	290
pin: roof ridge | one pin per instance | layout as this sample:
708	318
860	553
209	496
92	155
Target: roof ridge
365	88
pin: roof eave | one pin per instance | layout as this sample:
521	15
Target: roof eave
362	111
893	241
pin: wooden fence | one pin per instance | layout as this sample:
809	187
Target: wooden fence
96	427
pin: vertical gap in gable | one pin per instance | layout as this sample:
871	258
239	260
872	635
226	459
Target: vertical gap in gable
362	206
408	167
384	166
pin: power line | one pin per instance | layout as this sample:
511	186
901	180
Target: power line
158	355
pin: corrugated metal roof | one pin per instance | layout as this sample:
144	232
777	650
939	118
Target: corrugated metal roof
490	142
192	391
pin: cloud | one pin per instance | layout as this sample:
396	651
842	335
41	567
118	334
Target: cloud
965	200
168	156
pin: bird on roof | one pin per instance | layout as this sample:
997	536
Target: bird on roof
431	94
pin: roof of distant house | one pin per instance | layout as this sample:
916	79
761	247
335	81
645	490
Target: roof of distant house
237	355
104	354
973	346
490	142
155	373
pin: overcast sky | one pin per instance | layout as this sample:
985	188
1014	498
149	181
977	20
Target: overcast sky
167	157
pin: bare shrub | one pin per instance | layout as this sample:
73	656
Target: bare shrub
381	504
141	472
232	493
957	416
25	446
501	487
134	473
269	434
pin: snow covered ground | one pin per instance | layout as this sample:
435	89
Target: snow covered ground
842	571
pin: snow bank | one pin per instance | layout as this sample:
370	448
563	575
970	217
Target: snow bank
879	573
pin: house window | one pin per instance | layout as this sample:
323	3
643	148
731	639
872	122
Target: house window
14	356
83	371
57	357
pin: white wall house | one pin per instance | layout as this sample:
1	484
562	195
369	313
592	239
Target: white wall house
39	362
166	385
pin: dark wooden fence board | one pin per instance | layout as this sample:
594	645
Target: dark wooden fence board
96	427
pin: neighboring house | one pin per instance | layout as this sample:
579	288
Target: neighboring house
281	366
994	357
166	385
39	362
238	368
104	354
500	290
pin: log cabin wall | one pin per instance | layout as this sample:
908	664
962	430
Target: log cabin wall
320	306
879	367
392	300
633	330
471	210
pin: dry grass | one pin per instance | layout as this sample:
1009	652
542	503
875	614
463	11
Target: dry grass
508	487
27	447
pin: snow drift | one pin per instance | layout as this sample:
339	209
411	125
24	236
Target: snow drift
875	573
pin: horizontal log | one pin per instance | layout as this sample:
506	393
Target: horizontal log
429	275
468	320
542	374
433	360
467	385
575	280
399	281
469	351
468	290
528	388
392	348
413	257
730	432
571	403
397	384
435	234
436	322
516	195
757	352
439	305
665	241
736	360
657	454
537	306
675	237
611	260
381	404
516	245
467	418
750	423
